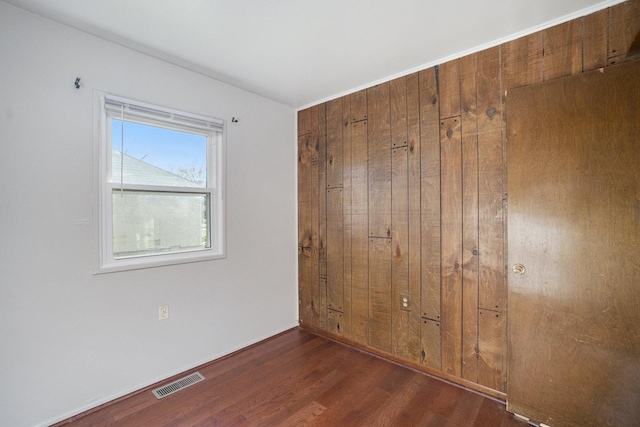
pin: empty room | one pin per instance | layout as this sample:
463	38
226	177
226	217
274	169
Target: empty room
323	213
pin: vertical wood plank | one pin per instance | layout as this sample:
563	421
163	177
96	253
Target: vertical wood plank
304	191
335	322
335	250
470	273
562	50
522	61
624	24
490	348
380	294
321	322
314	262
400	249
399	215
594	40
431	351
305	310
450	89
359	106
322	216
490	181
314	117
451	178
321	190
413	164
379	140
315	217
359	234
398	100
304	121
334	144
430	194
491	215
346	210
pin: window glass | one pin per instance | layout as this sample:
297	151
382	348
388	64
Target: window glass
157	156
147	222
161	186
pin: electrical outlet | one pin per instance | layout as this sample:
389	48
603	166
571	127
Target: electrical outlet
163	312
405	302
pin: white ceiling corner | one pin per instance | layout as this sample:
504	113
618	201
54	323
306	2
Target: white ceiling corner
301	52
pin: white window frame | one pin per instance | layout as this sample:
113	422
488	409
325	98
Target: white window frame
105	107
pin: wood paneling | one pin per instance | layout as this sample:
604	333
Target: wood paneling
334	144
594	43
379	161
399	217
573	314
451	225
413	189
304	122
563	50
431	344
335	250
346	218
430	194
449	82
470	264
359	234
423	213
624	24
380	294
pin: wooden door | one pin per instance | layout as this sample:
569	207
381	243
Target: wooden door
573	148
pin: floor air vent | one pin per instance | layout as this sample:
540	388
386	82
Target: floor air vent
178	385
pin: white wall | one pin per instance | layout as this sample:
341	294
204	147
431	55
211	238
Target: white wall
70	340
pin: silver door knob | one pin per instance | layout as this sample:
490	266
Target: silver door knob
519	269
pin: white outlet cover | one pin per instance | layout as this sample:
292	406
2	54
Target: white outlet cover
163	312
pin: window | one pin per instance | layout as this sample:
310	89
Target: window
161	186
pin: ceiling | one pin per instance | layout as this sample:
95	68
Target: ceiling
301	52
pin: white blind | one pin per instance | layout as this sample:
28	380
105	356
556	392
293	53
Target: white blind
115	103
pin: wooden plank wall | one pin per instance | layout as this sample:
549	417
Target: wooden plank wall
402	205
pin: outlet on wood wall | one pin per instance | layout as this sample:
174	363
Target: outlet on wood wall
401	191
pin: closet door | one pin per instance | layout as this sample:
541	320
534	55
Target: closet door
573	163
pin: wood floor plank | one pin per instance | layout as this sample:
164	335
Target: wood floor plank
298	378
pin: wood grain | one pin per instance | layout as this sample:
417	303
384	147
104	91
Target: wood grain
380	294
572	230
399	216
449	82
335	154
490	181
347	217
386	194
430	194
359	234
490	349
451	178
431	343
470	264
595	27
563	50
358	102
624	24
522	61
304	122
335	250
413	183
321	191
379	161
400	250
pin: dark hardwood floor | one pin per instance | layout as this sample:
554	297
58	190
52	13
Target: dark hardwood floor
299	379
